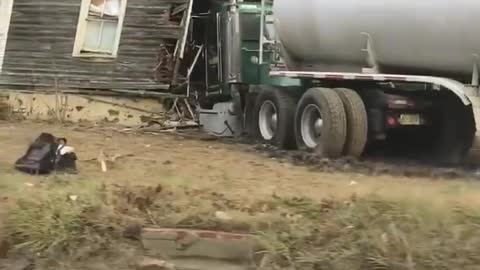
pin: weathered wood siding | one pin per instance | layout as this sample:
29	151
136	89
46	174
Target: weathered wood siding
41	40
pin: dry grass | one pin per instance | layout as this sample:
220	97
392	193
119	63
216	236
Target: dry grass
367	232
373	233
339	220
60	216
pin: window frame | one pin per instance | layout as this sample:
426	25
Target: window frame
82	32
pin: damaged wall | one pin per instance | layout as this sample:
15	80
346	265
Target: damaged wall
76	108
41	42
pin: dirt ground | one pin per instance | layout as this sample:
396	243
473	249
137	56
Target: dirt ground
244	173
239	170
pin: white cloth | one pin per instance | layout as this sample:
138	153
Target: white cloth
64	149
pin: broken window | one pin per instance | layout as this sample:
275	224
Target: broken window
99	28
105	7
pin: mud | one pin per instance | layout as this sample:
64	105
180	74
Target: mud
372	164
399	163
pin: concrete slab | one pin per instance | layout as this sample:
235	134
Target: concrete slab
199	249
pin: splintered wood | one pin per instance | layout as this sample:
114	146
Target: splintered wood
102	160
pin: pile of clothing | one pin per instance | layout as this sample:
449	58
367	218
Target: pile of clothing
46	155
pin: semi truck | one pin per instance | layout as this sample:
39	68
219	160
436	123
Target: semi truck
339	77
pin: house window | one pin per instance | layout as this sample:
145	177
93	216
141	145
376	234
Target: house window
99	28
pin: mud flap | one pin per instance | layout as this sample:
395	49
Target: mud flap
473	156
249	124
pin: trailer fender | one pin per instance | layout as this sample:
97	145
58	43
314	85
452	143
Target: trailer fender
473	95
439	83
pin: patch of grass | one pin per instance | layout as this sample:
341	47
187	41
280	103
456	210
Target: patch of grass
60	217
10	185
369	232
373	233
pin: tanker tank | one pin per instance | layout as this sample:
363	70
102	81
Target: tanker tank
433	37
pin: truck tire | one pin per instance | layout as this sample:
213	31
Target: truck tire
357	122
321	122
274	116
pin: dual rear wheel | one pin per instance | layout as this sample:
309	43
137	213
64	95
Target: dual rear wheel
330	122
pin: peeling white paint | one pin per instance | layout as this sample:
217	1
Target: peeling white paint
5	16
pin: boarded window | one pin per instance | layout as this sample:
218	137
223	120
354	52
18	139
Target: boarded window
99	28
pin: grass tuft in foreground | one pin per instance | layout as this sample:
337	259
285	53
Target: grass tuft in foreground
372	233
61	218
357	233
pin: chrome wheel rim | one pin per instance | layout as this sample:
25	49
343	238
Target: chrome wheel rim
268	120
311	126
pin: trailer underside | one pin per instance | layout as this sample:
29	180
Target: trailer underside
439	121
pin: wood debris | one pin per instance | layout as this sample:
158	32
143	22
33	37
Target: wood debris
103	161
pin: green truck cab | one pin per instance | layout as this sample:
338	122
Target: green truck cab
232	41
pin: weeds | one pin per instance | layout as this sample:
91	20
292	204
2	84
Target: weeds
60	219
378	234
297	233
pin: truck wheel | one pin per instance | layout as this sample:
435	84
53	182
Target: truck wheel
321	122
275	112
357	122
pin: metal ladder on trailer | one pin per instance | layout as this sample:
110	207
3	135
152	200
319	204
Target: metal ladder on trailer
268	37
